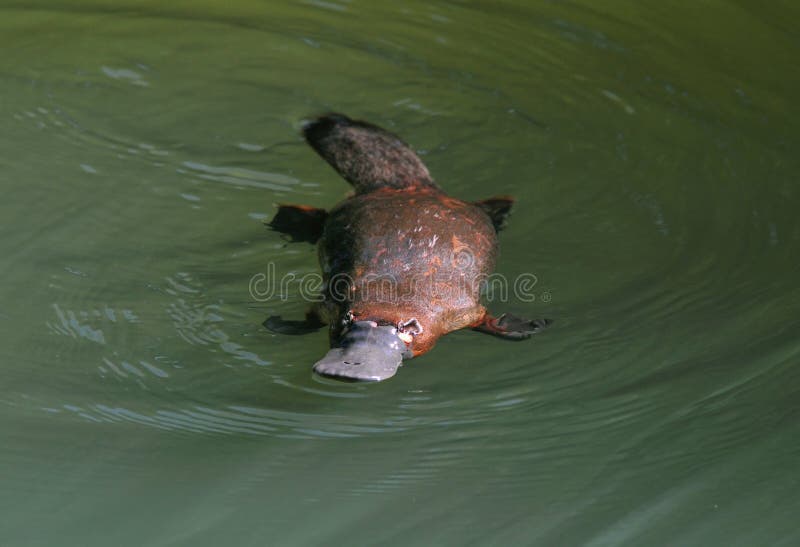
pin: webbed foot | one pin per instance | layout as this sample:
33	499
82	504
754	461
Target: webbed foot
278	325
299	222
498	208
511	327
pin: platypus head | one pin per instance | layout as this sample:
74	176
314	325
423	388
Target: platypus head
365	352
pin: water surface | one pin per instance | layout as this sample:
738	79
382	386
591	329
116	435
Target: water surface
652	154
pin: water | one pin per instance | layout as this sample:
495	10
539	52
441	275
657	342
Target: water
652	154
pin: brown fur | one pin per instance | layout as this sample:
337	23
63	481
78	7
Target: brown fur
366	155
434	250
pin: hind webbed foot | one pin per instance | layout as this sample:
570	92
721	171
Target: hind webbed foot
299	222
498	208
511	327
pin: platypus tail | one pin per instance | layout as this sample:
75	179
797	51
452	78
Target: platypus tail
367	156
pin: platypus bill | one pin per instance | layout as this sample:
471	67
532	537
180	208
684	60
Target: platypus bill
402	261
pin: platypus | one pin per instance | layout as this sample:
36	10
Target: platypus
402	262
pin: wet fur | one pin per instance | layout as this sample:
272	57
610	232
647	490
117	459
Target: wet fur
400	226
367	156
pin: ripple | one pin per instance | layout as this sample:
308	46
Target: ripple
658	205
123	368
76	129
69	324
234	420
241	177
126	74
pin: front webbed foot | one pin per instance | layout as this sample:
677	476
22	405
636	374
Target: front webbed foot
511	327
278	325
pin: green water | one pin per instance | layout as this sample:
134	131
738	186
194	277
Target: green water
653	154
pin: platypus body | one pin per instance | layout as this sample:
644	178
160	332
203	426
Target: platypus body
403	263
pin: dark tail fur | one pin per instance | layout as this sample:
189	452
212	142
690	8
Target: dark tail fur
367	156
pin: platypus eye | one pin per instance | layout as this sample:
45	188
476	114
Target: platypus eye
412	327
